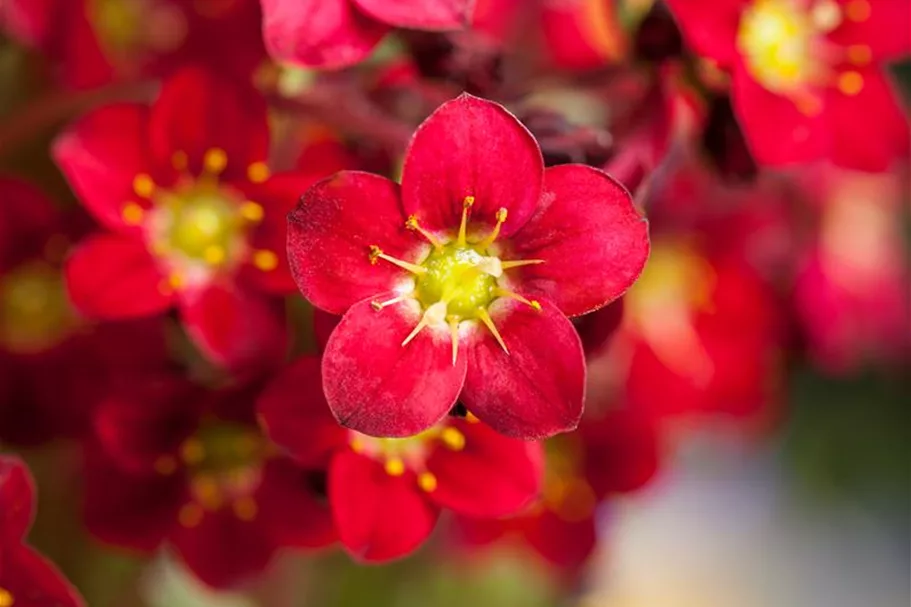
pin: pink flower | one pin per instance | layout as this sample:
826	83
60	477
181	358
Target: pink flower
458	283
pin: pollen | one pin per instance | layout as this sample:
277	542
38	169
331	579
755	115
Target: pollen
858	10
452	438
265	260
143	185
245	508
166	465
190	515
394	466
214	254
132	213
776	38
427	481
215	160
258	172
192	451
176	281
6	598
252	211
859	54
850	83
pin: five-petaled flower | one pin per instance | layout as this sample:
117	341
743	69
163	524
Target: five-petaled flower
196	219
26	578
808	76
386	493
339	33
458	283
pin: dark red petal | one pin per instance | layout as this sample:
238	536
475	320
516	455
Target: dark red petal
330	234
198	111
17	494
593	241
596	329
319	33
710	28
567	544
294	413
377	386
884	30
492	476
424	15
537	389
234	327
114	277
472	147
621	450
33	581
223	550
28	219
324	324
101	154
28	21
379	517
290	510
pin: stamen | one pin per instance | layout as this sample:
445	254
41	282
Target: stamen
454	333
433	315
412	224
258	172
245	508
252	211
395	466
190	516
377	253
492	266
176	281
6	598
165	465
471	418
215	160
427	481
859	54
463	227
265	260
143	185
214	254
452	438
501	217
357	445
518	263
534	303
485	318
858	10
379	305
850	83
192	451
132	214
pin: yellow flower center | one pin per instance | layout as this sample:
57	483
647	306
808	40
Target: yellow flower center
456	274
35	313
202	225
6	598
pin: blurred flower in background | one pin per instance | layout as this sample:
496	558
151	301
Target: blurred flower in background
173	370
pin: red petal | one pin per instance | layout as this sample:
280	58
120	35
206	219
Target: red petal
536	390
323	326
234	327
330	234
621	451
423	15
198	111
492	476
17	503
593	241
596	329
377	386
379	517
28	219
291	512
115	277
472	147
294	413
710	28
33	581
101	154
319	33
884	31
563	543
29	21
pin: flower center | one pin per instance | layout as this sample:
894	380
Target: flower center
201	225
457	274
35	313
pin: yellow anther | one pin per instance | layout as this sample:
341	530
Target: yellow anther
132	213
377	253
379	305
533	303
850	83
207	492
192	451
502	213
467	203
412	224
6	598
858	10
808	104
485	318
176	281
215	160
180	161
265	260
214	254
143	185
518	263
190	516
454	335
394	466
435	314
452	438
245	508
258	172
471	418
166	465
427	481
860	54
252	211
357	445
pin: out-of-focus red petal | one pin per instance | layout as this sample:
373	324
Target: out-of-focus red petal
198	111
319	33
536	390
593	241
295	415
324	324
377	386
425	15
101	154
884	30
596	329
472	147
379	517
710	28
33	581
29	21
492	476
28	220
291	512
235	327
566	544
17	494
114	277
330	234
621	450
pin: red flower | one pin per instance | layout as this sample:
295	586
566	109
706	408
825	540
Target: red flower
196	220
338	33
804	72
26	578
180	465
386	493
458	284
